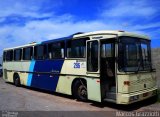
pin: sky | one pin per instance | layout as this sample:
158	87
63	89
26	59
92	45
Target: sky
25	21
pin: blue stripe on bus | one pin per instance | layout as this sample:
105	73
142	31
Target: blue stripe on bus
31	68
47	81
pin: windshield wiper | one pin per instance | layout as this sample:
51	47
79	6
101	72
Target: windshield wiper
150	66
139	65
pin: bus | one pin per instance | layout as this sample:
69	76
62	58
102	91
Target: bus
113	66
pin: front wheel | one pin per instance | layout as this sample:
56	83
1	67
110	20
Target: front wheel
80	91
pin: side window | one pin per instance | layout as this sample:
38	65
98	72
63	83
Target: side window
9	55
40	52
76	48
4	56
56	50
92	56
17	54
107	50
28	53
144	51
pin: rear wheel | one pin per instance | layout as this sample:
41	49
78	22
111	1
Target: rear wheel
17	80
80	91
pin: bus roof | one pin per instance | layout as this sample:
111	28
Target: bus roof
80	34
22	46
107	32
118	33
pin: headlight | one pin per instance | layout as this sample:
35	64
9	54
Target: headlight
133	98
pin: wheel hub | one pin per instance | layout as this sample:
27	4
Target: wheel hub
82	91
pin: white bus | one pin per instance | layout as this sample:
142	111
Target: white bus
112	66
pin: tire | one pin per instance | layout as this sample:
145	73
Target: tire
1	73
17	80
80	91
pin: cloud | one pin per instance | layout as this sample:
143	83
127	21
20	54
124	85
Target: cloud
41	30
37	30
147	26
40	21
131	9
28	8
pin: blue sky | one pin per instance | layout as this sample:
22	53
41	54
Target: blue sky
26	21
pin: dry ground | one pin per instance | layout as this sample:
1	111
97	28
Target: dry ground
14	98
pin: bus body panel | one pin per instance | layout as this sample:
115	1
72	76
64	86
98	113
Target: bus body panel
75	67
64	84
137	82
141	86
71	69
9	76
128	98
94	89
46	74
30	73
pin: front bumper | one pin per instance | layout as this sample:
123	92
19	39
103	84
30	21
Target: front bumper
136	96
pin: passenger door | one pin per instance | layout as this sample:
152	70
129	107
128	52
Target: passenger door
93	73
108	81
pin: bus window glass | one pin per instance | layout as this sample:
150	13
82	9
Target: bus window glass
4	56
92	56
145	54
134	54
17	54
107	50
9	55
40	52
56	50
27	53
76	48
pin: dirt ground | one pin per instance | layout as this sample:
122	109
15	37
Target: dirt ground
26	99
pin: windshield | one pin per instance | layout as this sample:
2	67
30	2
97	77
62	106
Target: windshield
134	54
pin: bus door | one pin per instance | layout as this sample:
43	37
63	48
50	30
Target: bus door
93	72
107	69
